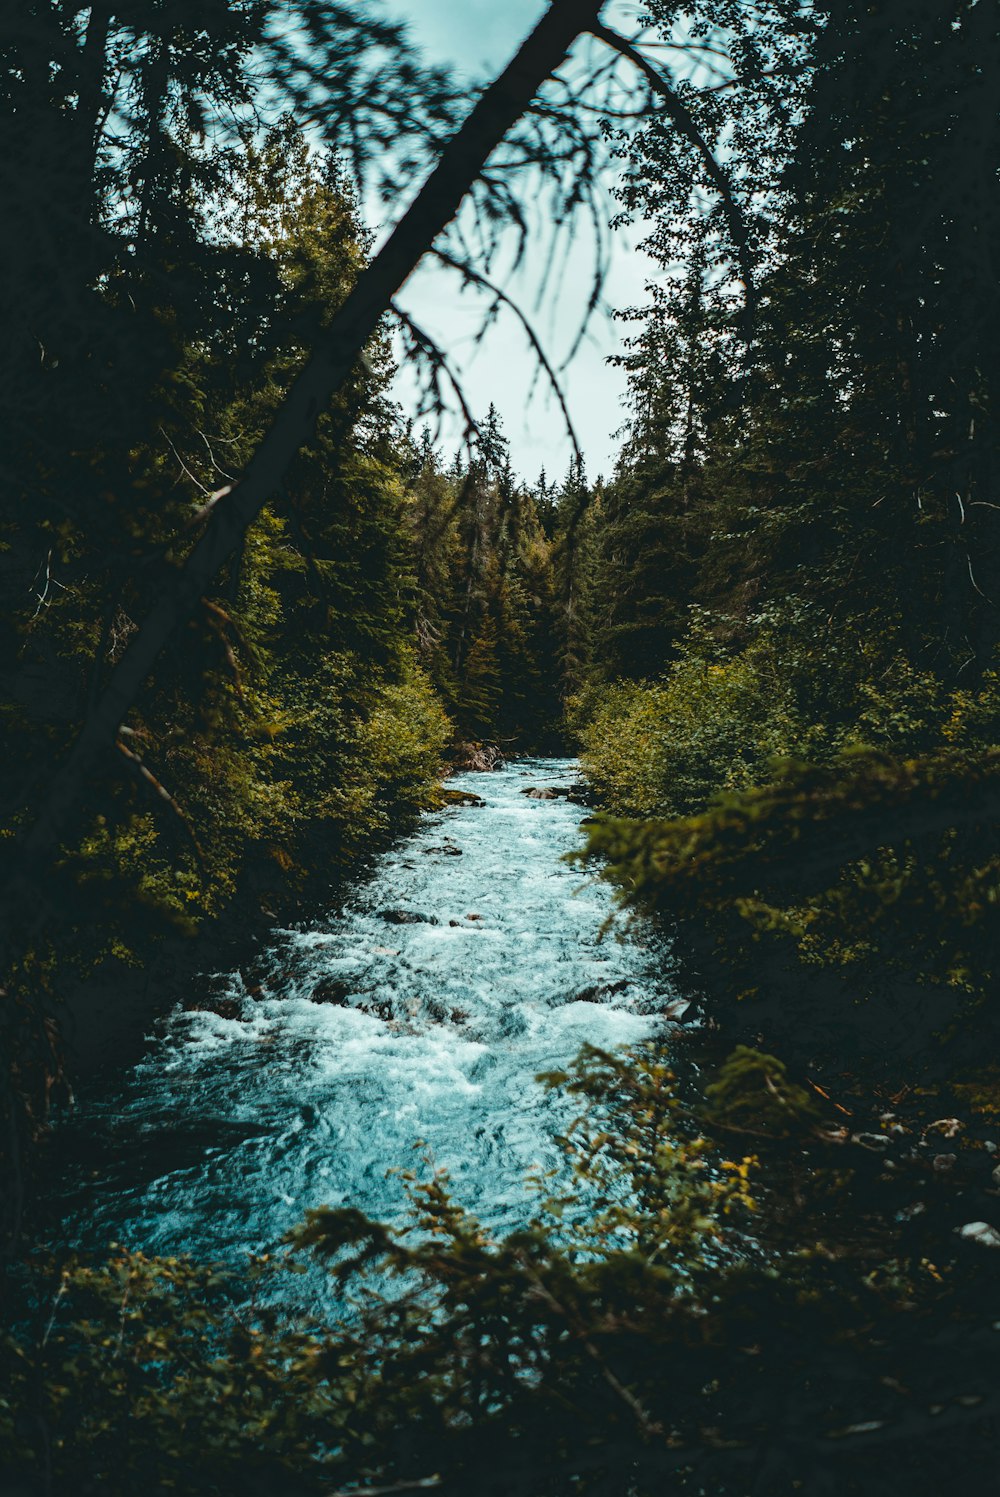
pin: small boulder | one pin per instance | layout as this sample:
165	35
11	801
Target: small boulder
330	990
406	917
377	1008
871	1140
446	796
225	1006
544	792
601	990
980	1232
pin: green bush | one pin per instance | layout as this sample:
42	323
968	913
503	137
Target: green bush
752	1094
714	722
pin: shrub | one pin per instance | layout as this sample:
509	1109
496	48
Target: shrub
715	722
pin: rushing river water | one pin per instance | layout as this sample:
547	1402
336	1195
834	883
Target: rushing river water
368	1032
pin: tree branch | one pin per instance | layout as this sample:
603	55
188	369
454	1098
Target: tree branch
503	299
462	160
687	125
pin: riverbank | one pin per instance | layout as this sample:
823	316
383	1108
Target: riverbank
106	1018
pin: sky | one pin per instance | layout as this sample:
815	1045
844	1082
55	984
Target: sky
479	37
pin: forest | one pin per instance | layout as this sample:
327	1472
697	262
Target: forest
260	621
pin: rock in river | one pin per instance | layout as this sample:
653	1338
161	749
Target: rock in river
407	917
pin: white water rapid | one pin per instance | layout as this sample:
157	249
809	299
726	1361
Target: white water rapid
368	1033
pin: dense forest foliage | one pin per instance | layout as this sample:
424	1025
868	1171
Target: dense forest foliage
773	634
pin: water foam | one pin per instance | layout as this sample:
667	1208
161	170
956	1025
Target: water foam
369	1033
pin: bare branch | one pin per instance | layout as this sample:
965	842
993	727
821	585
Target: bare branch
439	365
162	794
474	277
183	465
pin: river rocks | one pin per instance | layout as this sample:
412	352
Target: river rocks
447	850
981	1233
225	1005
447	796
876	1141
675	1011
330	990
216	995
601	990
377	1008
478	756
407	917
578	792
340	996
445	1013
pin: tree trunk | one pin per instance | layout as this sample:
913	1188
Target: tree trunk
461	161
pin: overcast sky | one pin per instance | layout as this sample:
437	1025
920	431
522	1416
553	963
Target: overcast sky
479	36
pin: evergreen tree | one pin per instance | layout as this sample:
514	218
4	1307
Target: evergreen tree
573	569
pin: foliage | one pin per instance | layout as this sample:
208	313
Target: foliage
882	871
715	721
183	1386
796	656
288	728
261	727
628	1311
146	1372
753	1094
777	630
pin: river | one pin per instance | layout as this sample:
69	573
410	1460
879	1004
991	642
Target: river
473	958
